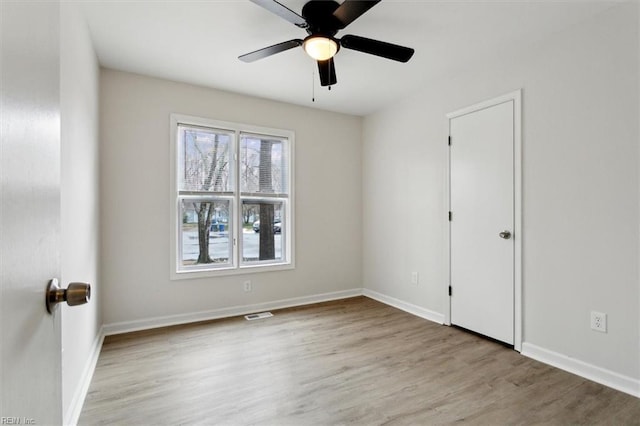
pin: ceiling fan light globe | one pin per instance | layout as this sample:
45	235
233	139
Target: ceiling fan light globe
320	48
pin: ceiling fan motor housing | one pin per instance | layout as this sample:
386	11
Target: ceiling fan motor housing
320	18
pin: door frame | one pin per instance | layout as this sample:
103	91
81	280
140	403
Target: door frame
516	97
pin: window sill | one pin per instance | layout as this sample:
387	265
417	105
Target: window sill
230	271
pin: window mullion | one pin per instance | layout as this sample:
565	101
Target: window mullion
238	229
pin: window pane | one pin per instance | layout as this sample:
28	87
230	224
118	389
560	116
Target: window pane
204	232
263	164
204	161
262	230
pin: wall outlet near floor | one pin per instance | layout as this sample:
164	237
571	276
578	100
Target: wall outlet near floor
414	278
599	321
247	285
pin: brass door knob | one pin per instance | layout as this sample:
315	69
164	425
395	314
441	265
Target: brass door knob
505	235
75	294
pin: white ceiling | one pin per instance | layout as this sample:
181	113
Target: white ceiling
198	42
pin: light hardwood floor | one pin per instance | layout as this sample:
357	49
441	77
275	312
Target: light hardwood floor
354	361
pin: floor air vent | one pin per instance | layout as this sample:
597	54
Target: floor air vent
261	315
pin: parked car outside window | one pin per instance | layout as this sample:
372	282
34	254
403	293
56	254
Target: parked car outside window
277	226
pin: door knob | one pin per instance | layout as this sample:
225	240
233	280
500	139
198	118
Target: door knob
74	294
505	234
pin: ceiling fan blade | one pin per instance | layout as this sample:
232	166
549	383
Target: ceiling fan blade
378	48
327	71
271	50
351	10
282	11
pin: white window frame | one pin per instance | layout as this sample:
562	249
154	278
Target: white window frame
235	267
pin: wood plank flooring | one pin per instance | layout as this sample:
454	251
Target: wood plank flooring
354	361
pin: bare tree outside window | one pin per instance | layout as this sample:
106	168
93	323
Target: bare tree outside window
267	244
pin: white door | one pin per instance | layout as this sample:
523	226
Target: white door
29	212
482	221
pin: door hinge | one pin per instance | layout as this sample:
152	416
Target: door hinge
450	216
450	291
449	141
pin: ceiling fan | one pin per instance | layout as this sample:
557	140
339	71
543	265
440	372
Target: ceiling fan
322	19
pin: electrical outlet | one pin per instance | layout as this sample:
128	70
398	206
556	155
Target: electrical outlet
414	278
247	285
599	321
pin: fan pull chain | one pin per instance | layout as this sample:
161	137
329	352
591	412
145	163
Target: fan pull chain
313	85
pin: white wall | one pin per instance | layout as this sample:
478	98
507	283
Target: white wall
79	203
580	188
135	200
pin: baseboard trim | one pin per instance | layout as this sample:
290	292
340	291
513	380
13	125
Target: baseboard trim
75	407
588	371
404	306
165	321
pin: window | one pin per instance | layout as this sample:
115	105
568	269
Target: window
233	198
